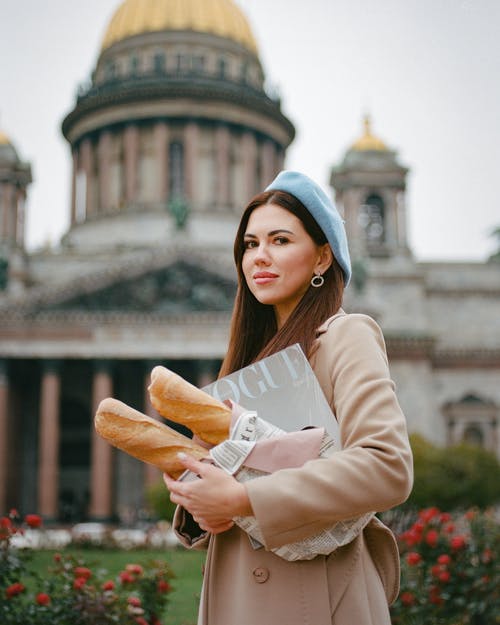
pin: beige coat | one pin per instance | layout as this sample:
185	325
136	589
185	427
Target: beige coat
356	583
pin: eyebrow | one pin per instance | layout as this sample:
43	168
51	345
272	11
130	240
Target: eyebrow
269	234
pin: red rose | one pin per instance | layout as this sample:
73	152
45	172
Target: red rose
42	598
163	586
5	522
413	558
436	570
449	528
458	542
435	595
407	598
445	517
141	621
33	520
57	557
431	538
82	571
444	576
14	589
487	555
444	559
428	514
109	585
126	577
136	569
135	601
79	583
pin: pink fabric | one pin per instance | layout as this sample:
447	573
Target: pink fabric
291	450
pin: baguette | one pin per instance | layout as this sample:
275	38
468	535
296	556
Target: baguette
144	438
178	400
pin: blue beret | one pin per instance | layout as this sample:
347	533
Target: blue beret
322	209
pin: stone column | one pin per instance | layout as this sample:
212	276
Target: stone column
222	154
86	160
191	134
104	156
48	449
131	158
249	149
74	155
5	226
4	435
101	453
267	161
161	140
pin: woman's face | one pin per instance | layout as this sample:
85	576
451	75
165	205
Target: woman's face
280	258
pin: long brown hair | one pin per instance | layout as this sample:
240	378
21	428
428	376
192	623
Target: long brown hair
254	333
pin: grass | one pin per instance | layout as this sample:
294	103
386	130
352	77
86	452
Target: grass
183	605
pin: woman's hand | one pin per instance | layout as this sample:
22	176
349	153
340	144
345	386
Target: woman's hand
213	499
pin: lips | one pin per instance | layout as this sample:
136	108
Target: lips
264	277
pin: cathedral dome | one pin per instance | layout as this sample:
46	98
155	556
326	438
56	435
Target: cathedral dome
217	17
368	142
8	152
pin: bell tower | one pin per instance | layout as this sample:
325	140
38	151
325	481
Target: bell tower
15	176
370	185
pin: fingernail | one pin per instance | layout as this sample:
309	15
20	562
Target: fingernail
181	455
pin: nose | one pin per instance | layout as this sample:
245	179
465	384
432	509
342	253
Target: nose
262	256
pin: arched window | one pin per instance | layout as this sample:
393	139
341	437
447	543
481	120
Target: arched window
472	420
176	170
221	67
372	220
134	65
473	435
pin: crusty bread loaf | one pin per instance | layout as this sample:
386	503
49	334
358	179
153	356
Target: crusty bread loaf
178	400
143	437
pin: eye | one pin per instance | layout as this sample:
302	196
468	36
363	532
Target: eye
249	243
281	240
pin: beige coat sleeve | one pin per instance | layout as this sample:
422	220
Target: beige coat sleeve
374	470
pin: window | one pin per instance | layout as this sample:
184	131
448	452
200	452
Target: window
159	62
221	68
176	169
472	420
372	220
134	65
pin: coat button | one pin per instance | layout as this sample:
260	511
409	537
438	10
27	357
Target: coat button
260	575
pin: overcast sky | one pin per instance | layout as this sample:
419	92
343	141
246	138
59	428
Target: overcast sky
427	71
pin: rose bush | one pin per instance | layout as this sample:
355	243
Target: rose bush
449	570
73	593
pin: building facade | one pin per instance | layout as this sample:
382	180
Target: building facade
169	140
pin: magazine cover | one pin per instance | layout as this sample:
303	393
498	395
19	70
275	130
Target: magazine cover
283	390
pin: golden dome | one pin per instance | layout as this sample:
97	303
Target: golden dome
218	17
368	141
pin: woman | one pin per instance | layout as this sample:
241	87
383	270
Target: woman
293	263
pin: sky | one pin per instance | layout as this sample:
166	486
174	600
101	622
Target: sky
426	71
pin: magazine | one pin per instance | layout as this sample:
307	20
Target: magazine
283	389
279	399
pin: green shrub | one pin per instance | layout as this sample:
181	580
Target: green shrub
449	569
453	477
158	500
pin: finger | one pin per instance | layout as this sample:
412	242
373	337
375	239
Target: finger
193	465
169	481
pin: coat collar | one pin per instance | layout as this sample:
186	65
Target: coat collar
324	326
